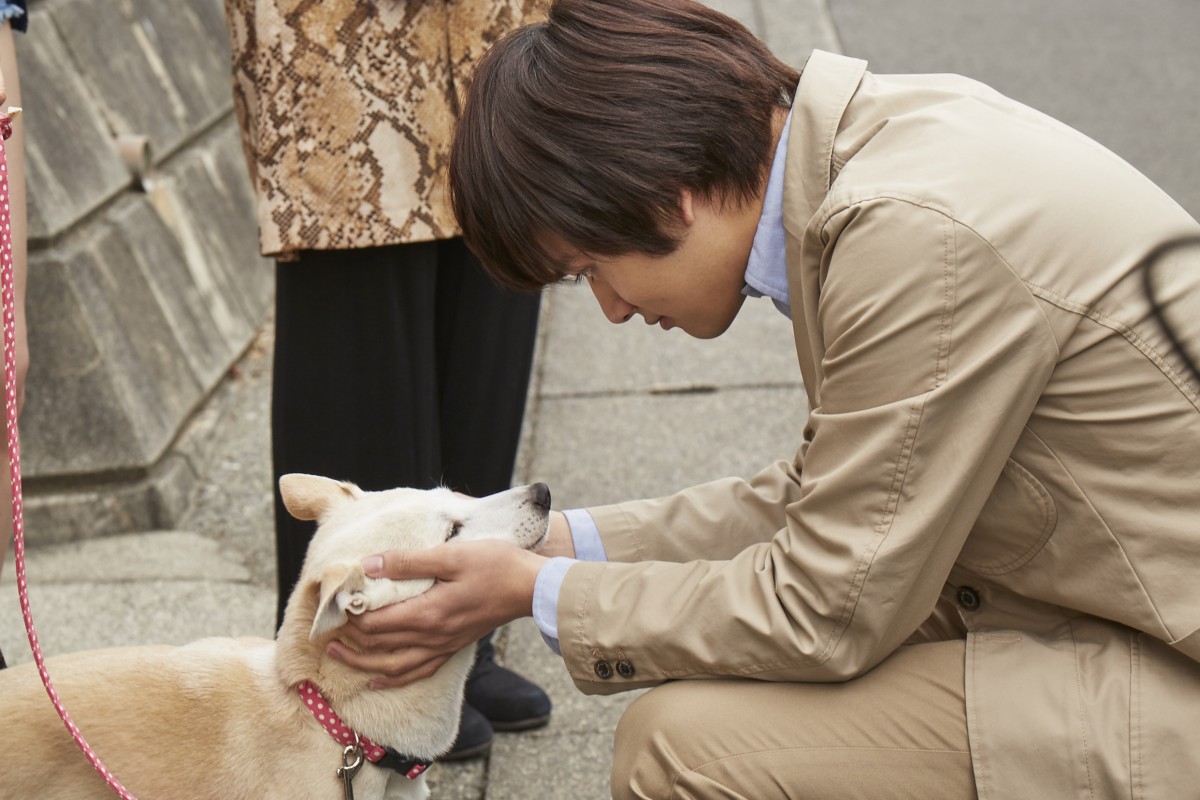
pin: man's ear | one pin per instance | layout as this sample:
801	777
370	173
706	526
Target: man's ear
687	210
341	593
313	497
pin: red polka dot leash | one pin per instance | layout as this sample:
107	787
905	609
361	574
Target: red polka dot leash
14	463
332	723
355	745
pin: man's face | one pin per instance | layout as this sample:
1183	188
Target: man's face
697	288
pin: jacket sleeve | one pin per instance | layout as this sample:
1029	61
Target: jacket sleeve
932	356
677	528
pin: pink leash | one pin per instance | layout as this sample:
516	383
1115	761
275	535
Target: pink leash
14	463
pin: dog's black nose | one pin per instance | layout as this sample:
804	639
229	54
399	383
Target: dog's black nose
541	496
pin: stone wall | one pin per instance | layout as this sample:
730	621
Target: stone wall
145	283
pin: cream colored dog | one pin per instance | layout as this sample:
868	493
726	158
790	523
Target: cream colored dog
222	718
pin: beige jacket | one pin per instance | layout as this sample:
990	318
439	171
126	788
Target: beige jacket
347	108
1001	445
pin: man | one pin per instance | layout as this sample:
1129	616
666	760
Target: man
980	574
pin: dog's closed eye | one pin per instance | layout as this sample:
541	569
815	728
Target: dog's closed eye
455	529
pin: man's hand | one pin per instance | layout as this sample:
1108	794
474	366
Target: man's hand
480	586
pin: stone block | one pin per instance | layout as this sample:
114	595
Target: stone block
195	240
188	309
133	320
193	43
68	421
215	465
149	387
150	556
212	212
61	512
72	163
160	66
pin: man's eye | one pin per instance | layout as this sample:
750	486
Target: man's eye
455	529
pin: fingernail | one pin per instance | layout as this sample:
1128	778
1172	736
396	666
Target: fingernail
373	565
374	686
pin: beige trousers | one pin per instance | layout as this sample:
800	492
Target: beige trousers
900	731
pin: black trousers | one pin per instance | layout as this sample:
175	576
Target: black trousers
395	366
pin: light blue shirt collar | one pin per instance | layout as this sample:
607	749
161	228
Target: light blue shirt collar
766	270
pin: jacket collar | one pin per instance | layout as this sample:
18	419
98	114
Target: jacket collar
827	84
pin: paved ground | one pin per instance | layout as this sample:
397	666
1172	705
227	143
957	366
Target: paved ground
624	412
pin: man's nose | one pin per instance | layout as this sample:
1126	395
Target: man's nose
616	309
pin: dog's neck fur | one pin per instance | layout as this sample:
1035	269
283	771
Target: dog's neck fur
420	719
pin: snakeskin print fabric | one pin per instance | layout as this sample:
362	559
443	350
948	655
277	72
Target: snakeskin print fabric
347	107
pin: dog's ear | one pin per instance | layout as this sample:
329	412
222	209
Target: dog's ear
312	497
341	593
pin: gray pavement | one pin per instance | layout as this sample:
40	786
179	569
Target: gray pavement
614	412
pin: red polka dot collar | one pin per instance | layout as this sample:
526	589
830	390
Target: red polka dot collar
342	733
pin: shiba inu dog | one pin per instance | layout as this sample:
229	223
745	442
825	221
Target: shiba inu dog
252	718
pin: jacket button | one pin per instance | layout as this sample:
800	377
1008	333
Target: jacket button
969	599
624	669
603	670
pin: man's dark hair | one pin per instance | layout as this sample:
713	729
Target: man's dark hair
588	126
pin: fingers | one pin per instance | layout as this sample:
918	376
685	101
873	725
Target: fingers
401	643
401	564
412	622
444	562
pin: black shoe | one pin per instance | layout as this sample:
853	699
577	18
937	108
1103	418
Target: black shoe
474	737
508	701
3	665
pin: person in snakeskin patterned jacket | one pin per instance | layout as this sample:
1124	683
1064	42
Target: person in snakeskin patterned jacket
397	361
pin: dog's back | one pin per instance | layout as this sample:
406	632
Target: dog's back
214	711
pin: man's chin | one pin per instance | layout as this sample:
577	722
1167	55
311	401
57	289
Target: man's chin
709	328
705	332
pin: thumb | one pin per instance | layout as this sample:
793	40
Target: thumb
401	564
